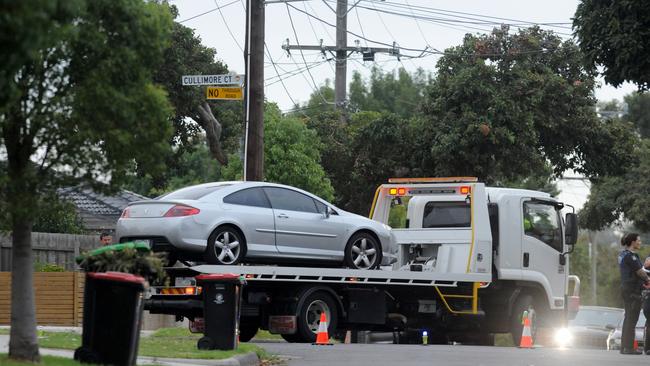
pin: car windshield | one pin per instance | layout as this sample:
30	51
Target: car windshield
191	193
597	317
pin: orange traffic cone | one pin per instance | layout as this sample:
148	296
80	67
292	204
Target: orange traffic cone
322	338
526	335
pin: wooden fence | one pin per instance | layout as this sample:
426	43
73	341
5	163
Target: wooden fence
59	249
58	295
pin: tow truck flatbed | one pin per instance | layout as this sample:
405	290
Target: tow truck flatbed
343	275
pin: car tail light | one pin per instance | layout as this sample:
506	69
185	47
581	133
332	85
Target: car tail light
182	210
125	213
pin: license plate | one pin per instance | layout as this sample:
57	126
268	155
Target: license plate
282	324
184	281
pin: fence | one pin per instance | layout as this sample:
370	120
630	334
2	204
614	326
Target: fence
58	296
59	249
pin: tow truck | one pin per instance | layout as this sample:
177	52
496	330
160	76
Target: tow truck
471	260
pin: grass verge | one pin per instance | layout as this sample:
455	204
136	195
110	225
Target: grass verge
166	343
45	361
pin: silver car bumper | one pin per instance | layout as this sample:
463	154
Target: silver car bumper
179	232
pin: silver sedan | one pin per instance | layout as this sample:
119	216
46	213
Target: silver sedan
234	222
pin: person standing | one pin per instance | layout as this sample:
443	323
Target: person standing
646	309
633	277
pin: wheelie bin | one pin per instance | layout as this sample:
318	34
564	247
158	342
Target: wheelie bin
112	316
221	305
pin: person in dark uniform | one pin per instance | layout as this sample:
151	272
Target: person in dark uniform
633	277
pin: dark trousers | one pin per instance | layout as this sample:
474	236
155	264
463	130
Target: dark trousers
632	302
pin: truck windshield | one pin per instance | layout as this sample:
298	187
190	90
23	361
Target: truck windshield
446	214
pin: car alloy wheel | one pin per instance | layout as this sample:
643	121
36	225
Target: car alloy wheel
226	247
363	252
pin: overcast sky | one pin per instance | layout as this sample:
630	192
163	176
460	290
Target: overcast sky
414	24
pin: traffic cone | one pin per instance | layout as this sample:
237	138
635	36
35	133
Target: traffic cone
526	334
322	338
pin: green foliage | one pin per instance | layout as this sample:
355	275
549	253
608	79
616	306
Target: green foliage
638	112
58	216
291	156
503	106
47	267
147	265
393	92
615	34
45	361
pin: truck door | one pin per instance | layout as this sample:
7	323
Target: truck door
542	239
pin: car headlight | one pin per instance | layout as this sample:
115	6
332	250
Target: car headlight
563	337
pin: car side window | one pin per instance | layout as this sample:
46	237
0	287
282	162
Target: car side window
542	221
286	199
248	197
320	206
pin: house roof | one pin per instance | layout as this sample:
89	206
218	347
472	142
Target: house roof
98	211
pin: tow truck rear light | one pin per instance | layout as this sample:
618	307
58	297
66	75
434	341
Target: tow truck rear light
186	290
464	189
182	210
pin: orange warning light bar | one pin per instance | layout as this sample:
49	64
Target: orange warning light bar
433	180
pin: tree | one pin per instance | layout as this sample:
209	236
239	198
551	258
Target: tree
397	92
81	101
503	106
291	155
614	34
638	112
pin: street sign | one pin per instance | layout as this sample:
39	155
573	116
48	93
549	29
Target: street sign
227	79
215	92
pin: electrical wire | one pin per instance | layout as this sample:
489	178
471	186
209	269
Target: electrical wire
228	28
302	54
207	12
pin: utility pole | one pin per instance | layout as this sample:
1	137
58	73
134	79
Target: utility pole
341	52
254	143
340	79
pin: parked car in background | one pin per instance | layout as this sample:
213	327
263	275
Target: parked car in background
590	328
614	339
234	222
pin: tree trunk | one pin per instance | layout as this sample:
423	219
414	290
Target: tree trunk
22	342
212	129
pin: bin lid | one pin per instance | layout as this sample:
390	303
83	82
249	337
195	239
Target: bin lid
117	276
227	277
138	246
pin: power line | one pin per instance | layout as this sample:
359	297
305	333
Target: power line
228	28
208	12
301	53
280	78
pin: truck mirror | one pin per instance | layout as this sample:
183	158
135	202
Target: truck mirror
571	229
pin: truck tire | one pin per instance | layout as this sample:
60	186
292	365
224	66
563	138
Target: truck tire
309	316
363	251
523	303
226	245
248	329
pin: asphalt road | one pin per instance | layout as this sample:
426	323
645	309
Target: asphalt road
405	355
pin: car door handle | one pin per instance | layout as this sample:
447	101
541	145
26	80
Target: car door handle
283	216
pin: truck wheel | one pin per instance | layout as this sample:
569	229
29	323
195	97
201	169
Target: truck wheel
363	251
523	303
248	329
309	316
226	245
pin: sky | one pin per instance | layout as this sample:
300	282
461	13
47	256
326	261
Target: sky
413	24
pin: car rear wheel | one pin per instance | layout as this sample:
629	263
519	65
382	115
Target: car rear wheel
226	245
363	251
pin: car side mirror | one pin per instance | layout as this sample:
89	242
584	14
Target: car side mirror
571	229
328	212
